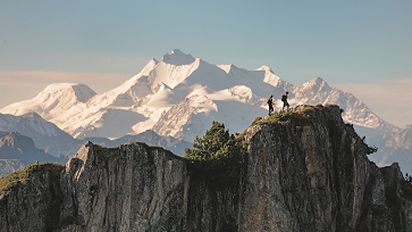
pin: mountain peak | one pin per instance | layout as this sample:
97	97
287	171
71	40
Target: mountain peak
80	91
12	139
318	80
149	67
317	83
177	57
227	68
32	115
177	51
270	77
65	85
265	68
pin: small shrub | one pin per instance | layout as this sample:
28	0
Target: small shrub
408	179
372	149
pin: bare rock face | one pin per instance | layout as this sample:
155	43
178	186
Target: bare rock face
312	174
30	199
130	188
308	171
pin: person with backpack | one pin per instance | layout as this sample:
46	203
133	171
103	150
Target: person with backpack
285	101
270	104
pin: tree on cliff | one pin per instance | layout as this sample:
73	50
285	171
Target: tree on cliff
215	144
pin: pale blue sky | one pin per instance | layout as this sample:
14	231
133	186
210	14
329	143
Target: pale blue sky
345	42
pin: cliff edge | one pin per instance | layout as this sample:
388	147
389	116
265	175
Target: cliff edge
305	170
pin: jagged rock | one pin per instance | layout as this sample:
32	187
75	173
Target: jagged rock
305	171
132	188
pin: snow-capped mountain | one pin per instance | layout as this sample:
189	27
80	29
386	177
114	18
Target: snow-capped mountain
317	91
406	137
394	146
180	95
45	135
54	100
177	83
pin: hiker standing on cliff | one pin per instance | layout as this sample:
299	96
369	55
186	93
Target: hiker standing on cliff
270	104
285	101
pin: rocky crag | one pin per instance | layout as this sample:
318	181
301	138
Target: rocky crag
302	171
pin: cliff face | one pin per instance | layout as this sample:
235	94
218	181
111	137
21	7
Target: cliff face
30	199
306	172
312	174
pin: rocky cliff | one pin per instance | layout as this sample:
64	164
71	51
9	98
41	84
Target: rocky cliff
302	171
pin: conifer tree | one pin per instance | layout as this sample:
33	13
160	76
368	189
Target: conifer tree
216	143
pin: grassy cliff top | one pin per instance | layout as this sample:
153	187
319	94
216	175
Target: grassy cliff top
22	175
299	112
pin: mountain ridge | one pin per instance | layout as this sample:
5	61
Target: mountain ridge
17	150
49	139
179	79
307	171
180	99
45	135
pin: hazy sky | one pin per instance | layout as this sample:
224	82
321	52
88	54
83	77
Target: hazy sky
360	46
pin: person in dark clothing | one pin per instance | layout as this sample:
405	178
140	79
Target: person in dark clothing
270	104
285	101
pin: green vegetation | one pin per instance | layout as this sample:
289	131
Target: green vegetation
215	144
216	156
275	117
22	175
298	113
280	116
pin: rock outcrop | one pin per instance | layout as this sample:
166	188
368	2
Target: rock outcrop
304	171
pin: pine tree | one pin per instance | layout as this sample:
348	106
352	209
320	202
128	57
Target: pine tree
216	143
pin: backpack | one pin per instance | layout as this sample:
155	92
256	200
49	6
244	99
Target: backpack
284	97
270	101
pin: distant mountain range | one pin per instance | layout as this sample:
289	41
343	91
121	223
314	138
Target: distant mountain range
17	150
29	138
45	135
179	96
